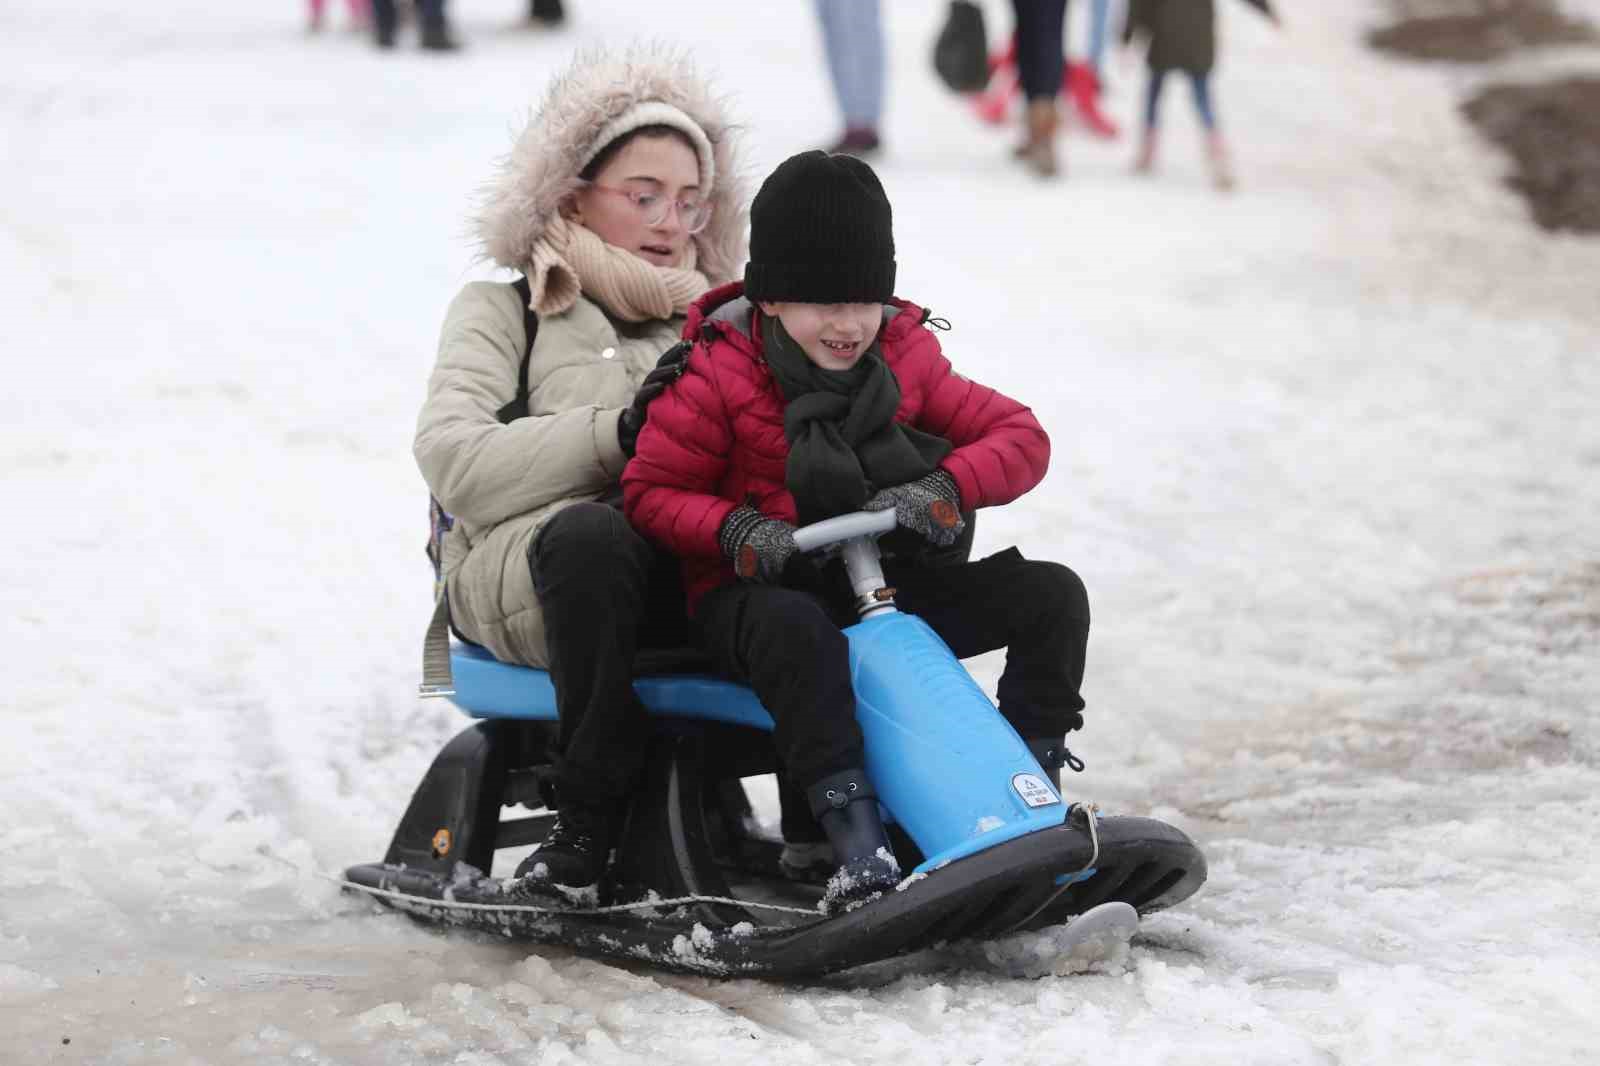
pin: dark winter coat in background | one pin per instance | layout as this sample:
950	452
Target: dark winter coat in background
715	439
1182	33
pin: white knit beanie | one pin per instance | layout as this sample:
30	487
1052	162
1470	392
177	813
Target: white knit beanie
657	113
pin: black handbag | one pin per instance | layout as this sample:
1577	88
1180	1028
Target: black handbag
961	53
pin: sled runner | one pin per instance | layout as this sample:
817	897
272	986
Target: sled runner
992	847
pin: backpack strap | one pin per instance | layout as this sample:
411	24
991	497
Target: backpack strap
438	680
518	407
437	677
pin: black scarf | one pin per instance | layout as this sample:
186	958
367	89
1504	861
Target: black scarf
844	443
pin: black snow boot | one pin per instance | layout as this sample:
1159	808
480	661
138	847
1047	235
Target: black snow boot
436	36
807	856
385	22
847	806
1052	753
547	12
567	867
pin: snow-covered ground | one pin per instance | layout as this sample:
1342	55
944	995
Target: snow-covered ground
1326	453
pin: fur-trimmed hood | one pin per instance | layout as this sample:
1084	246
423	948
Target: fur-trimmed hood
599	86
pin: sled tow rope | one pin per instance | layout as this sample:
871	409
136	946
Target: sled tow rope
528	908
1085	816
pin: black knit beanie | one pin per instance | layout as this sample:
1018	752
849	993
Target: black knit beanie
821	232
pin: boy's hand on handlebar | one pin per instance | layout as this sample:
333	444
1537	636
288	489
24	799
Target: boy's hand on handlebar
929	506
760	547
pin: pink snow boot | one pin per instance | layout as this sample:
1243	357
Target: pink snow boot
1217	157
993	104
1145	161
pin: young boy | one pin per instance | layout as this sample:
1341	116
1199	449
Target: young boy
812	392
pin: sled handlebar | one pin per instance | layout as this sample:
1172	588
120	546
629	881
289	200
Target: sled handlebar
844	527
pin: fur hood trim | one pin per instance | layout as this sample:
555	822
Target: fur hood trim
599	92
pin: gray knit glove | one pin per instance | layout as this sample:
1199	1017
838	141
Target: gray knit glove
929	506
760	547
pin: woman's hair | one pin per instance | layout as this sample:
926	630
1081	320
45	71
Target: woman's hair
611	150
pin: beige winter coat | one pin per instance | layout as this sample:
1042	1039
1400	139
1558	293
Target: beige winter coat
503	482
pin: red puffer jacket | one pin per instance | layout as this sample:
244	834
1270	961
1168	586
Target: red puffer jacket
715	439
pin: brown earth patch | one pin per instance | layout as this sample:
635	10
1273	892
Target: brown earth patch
1552	130
1477	30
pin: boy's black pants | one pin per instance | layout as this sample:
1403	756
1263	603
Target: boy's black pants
606	592
787	645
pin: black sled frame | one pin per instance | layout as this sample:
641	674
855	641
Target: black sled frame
689	838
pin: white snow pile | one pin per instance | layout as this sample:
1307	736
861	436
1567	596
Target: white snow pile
1324	452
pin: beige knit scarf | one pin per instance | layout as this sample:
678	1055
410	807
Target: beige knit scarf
570	258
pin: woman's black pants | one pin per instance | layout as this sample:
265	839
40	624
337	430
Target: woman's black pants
605	592
787	645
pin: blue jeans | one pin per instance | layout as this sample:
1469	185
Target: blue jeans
1099	25
852	37
1200	83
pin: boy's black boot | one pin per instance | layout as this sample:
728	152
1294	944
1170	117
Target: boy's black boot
847	806
567	867
1052	754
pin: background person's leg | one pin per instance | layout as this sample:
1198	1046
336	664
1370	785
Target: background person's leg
547	12
436	35
1200	86
385	21
1099	33
1218	158
852	39
1150	134
1041	55
1041	60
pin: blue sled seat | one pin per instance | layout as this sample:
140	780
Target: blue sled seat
488	688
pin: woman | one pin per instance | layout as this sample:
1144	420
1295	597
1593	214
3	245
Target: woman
621	203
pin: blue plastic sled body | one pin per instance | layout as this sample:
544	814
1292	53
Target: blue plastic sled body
947	766
999	853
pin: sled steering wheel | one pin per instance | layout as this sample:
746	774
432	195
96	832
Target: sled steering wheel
855	536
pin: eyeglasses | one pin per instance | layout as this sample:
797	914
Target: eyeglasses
653	208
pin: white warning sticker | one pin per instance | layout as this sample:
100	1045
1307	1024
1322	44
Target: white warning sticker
1034	792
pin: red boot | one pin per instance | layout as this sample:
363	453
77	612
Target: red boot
1082	87
994	103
